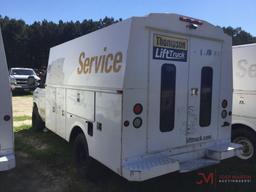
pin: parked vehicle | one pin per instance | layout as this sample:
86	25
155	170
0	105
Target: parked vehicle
24	79
7	158
244	97
145	97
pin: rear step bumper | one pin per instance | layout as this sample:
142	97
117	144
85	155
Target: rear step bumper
153	165
220	152
7	162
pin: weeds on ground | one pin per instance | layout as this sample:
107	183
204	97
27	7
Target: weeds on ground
22	118
46	147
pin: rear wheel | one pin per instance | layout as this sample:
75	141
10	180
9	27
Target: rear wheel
247	138
37	122
81	156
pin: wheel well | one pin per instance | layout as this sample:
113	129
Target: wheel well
34	104
244	127
35	109
75	131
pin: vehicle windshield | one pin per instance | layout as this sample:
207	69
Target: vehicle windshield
22	72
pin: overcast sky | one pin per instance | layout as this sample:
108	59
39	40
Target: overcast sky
235	13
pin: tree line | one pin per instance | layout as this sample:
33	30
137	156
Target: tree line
28	45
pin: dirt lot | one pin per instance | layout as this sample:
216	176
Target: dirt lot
22	107
44	165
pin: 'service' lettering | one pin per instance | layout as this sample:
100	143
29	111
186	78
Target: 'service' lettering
107	63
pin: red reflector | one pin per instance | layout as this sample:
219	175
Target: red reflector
137	109
191	20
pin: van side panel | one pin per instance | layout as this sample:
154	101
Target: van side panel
6	132
244	64
96	60
7	158
244	75
106	139
134	141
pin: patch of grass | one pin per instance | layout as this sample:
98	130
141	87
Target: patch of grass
46	147
22	118
48	151
22	128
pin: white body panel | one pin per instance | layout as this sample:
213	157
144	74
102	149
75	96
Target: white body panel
244	96
38	95
105	73
7	159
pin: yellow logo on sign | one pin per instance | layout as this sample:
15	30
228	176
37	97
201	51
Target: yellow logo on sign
100	64
170	42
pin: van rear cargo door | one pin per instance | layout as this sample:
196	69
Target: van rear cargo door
168	89
204	89
184	83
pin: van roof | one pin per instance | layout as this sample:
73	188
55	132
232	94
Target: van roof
67	64
245	45
21	68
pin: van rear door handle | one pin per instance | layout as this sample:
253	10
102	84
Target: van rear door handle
225	124
194	91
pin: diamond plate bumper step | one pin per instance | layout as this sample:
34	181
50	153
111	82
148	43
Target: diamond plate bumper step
153	165
224	151
195	164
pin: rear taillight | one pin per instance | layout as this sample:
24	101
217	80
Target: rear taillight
137	109
224	114
224	103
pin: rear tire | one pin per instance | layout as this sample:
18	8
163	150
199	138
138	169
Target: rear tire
247	138
37	122
81	158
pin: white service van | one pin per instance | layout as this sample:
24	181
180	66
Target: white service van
145	97
7	158
244	97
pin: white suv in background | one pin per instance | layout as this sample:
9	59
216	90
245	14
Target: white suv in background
23	79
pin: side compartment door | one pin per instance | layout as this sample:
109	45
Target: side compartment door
50	108
60	112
